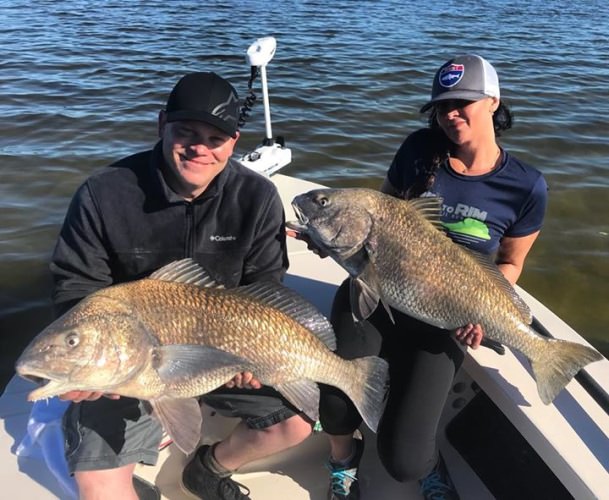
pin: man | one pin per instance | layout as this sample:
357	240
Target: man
184	198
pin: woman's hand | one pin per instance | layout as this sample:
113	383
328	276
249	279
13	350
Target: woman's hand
470	335
244	380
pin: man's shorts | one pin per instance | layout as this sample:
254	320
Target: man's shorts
260	408
106	434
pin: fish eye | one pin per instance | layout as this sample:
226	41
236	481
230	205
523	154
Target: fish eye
323	201
72	339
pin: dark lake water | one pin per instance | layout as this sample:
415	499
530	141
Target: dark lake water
82	83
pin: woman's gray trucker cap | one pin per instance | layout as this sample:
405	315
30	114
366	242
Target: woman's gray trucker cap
468	77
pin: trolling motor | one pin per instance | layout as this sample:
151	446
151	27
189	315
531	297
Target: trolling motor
271	155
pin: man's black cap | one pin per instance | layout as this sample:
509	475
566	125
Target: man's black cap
205	97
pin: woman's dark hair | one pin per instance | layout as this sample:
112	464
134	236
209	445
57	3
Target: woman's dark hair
427	165
427	162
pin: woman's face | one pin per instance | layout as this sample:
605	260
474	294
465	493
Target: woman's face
466	121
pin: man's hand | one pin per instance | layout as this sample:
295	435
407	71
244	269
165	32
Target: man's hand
303	237
78	396
244	380
470	335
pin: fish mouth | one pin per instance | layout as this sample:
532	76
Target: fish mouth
39	381
301	224
33	376
46	387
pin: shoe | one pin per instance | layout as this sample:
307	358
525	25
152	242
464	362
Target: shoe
206	484
437	485
344	484
145	490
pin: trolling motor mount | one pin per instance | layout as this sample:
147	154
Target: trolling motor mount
272	154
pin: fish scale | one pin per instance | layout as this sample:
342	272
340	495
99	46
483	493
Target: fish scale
248	333
434	300
395	255
177	335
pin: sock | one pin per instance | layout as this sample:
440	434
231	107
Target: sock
346	461
209	461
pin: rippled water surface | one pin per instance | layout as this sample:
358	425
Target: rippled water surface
82	82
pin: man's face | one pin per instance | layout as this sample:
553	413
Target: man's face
195	152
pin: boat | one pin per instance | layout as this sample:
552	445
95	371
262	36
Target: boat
497	438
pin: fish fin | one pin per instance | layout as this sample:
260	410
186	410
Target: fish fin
178	363
370	275
368	388
303	394
185	271
430	208
182	420
294	305
489	265
365	294
557	362
363	298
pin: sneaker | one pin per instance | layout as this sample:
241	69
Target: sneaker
145	490
317	428
437	485
206	484
343	478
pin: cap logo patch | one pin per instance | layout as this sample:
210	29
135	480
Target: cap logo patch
451	75
222	109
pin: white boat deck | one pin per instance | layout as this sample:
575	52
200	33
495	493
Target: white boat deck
571	435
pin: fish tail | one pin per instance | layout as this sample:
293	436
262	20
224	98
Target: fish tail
368	388
556	363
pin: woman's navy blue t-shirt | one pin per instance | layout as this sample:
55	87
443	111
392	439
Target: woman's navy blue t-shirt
477	211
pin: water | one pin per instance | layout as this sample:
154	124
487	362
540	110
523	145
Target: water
82	83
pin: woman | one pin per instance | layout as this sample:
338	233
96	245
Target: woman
492	203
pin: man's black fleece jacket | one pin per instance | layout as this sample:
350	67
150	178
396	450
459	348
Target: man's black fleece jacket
125	222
